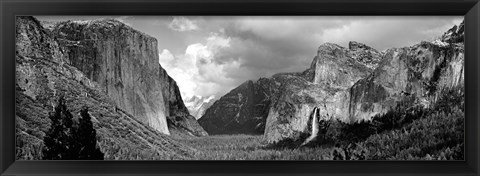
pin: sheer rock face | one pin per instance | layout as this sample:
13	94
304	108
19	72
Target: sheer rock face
418	72
338	67
43	73
333	71
124	63
179	118
364	54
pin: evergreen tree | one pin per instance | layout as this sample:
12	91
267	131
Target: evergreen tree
58	140
86	138
65	142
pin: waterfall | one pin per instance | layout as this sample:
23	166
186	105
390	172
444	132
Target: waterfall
314	129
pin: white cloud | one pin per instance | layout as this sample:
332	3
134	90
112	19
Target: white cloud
196	72
181	70
165	57
182	24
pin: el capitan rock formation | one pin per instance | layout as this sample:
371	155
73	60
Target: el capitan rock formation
43	74
124	63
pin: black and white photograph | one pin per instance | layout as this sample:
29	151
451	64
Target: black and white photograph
240	88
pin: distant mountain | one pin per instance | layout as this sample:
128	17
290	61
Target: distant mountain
197	105
349	84
242	110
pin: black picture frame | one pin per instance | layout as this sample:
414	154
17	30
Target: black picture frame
9	9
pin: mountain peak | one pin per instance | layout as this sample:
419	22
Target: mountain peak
454	34
329	46
364	54
353	45
106	26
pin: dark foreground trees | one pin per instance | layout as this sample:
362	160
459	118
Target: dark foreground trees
67	140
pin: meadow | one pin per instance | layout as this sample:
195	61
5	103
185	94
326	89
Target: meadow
250	147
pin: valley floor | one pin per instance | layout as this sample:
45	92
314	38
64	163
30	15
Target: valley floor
249	147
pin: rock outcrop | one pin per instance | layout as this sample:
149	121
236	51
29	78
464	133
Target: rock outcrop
124	63
419	72
324	85
43	73
179	120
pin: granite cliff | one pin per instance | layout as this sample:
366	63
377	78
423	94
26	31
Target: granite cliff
420	72
325	85
44	73
124	63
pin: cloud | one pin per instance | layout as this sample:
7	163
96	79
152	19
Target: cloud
269	45
182	24
196	71
165	57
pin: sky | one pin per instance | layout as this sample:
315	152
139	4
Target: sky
211	55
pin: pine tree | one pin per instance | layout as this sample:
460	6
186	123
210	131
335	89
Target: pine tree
65	142
86	138
58	140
